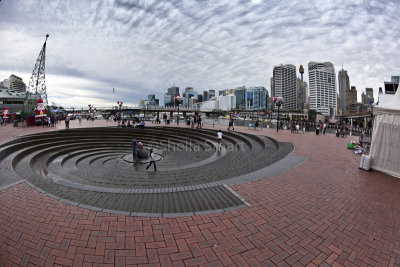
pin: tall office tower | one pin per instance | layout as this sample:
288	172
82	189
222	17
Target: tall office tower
351	100
173	91
344	84
369	93
285	85
199	98
301	94
363	98
151	97
205	96
14	83
170	96
190	94
396	79
256	98
240	93
322	84
167	100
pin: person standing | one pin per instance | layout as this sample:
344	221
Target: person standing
152	160
134	147
219	136
67	122
199	122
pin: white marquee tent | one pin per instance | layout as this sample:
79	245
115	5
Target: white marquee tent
385	143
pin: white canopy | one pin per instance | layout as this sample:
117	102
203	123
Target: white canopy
385	145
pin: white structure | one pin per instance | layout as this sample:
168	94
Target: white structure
209	105
284	82
15	84
227	102
322	84
385	145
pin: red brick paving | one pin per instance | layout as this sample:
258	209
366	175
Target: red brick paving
326	212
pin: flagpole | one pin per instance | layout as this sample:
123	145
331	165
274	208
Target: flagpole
112	105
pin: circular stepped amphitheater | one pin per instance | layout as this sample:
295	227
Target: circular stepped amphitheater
93	168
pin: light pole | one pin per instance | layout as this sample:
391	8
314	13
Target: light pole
177	102
120	103
278	101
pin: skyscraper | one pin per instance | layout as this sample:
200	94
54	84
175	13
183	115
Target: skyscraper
285	85
170	96
205	96
240	93
322	86
190	94
256	98
351	100
369	93
344	84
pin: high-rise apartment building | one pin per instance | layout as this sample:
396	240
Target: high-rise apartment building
322	87
285	85
344	84
14	83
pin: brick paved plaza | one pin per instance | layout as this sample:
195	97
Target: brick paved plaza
325	212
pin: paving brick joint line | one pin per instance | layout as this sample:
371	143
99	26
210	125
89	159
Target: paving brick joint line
325	212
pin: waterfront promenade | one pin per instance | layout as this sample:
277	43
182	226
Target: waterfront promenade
325	212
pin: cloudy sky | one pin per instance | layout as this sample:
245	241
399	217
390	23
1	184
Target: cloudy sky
142	47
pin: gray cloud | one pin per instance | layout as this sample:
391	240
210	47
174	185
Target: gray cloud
143	46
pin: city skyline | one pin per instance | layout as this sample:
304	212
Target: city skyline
142	47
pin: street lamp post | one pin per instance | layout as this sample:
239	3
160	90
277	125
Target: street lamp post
177	102
278	101
120	103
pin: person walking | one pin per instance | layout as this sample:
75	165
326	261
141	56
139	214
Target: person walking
134	148
152	160
219	136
